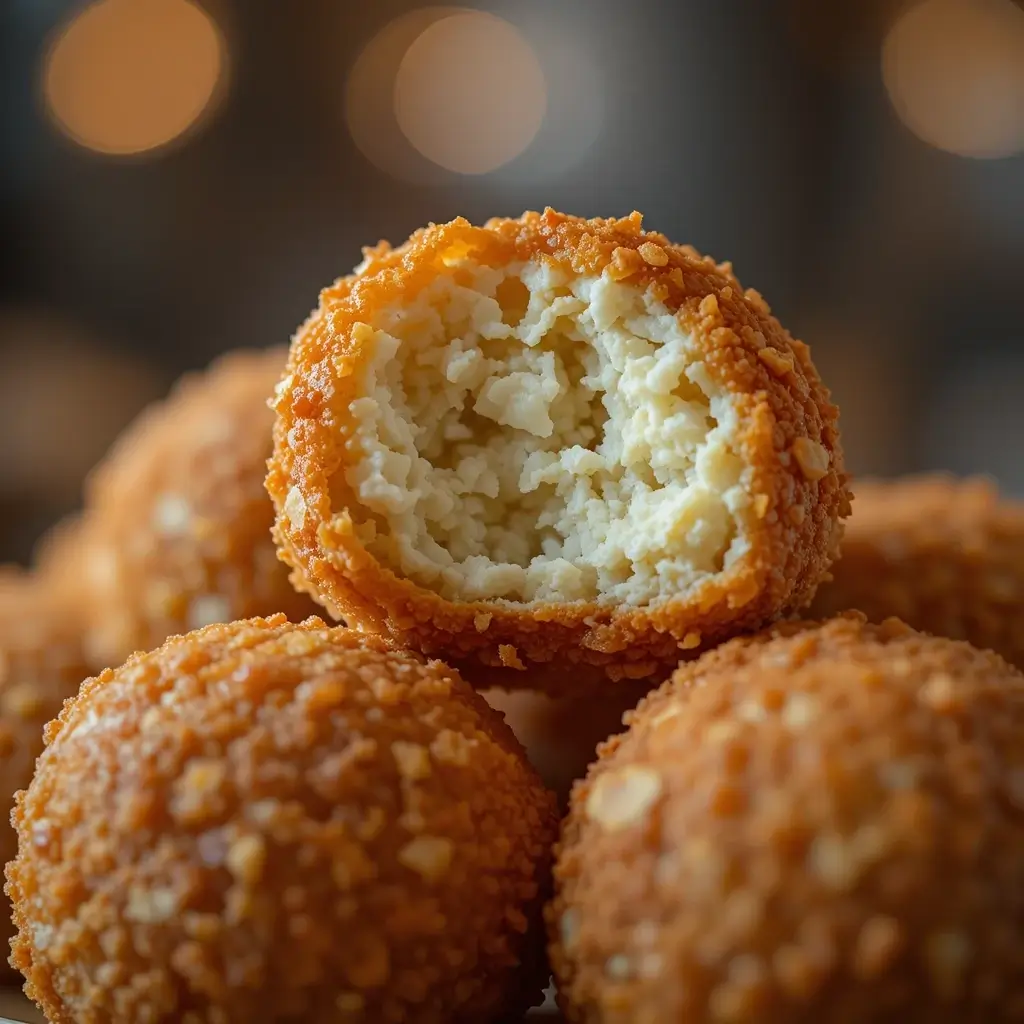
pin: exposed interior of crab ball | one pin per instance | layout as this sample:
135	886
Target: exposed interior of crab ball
527	434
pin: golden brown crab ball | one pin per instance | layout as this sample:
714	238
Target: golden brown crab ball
267	821
553	443
944	555
41	663
178	531
825	824
561	734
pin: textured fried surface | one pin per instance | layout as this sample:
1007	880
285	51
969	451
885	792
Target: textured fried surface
41	663
945	555
265	821
792	521
824	824
178	524
561	734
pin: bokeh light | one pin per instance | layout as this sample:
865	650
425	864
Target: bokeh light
954	70
575	120
369	97
561	73
130	76
470	94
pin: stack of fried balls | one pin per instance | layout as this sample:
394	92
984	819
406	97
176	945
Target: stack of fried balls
361	624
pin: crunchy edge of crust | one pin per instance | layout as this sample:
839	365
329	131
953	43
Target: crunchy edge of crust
792	525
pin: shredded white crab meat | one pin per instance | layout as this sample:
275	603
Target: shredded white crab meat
530	436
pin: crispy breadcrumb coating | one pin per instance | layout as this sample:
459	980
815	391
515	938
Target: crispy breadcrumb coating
552	443
561	734
41	663
945	555
177	531
822	824
266	822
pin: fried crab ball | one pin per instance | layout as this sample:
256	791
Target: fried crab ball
944	555
556	445
41	663
561	734
822	825
266	822
178	531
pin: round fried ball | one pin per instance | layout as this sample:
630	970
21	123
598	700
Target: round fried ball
824	824
561	734
945	555
179	523
563	450
267	821
41	663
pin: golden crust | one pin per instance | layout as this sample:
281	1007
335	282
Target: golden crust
267	821
41	664
944	555
793	524
822	823
177	525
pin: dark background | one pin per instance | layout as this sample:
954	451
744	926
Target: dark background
853	158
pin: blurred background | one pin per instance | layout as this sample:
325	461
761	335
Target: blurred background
180	178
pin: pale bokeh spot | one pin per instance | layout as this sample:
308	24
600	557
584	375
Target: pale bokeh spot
954	70
124	76
369	95
470	94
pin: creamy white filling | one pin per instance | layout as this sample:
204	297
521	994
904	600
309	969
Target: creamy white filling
531	436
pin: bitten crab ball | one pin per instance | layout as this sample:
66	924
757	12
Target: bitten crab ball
41	664
267	821
177	526
825	824
552	443
944	554
561	734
